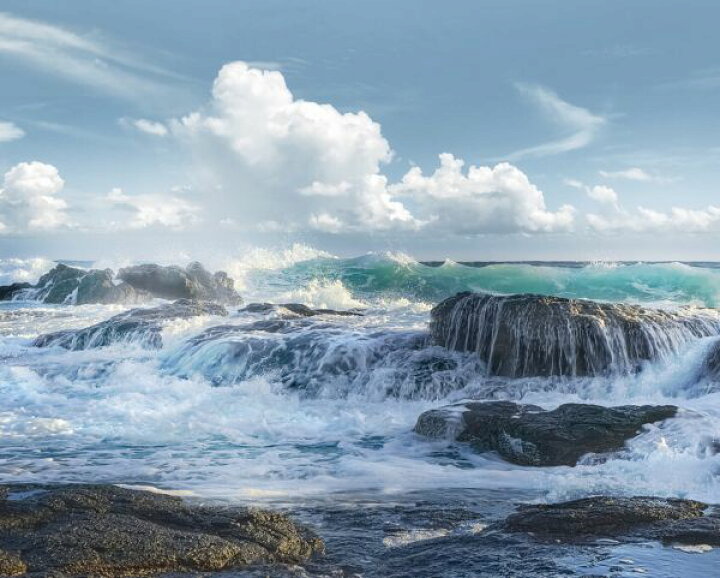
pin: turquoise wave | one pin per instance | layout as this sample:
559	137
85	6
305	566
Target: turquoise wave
387	275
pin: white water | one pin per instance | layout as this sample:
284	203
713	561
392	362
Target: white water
124	414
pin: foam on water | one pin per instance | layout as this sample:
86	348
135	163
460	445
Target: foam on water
162	418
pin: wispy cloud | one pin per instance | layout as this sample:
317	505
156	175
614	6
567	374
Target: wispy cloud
582	124
90	62
9	132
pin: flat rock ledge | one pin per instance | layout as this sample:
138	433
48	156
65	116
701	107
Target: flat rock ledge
108	531
531	436
671	521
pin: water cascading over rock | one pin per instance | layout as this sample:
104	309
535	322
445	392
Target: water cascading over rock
531	335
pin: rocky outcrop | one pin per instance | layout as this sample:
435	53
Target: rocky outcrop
13	291
530	436
73	286
319	357
669	520
173	282
139	326
289	310
533	335
100	530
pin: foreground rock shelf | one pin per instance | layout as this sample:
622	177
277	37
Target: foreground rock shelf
528	435
102	530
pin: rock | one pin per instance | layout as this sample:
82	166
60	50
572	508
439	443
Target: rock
13	291
295	310
173	282
312	355
139	326
530	436
669	520
98	287
102	530
64	284
533	335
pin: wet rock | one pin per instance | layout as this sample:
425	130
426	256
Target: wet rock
100	530
317	356
99	287
295	310
533	335
13	291
173	282
669	520
139	326
528	435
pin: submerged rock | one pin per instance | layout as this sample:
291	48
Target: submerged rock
319	357
528	435
669	520
295	310
102	530
173	282
533	335
140	326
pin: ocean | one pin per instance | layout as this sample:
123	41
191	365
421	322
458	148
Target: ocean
319	422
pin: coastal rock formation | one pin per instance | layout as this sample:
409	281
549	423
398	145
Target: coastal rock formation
532	335
69	285
289	310
140	326
530	436
668	520
173	282
102	530
315	356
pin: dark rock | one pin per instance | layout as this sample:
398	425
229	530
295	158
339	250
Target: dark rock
99	530
668	520
140	326
64	284
315	356
173	282
533	335
295	310
13	291
529	435
98	287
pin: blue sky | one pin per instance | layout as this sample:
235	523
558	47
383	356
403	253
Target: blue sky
593	127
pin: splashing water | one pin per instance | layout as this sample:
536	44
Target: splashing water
255	406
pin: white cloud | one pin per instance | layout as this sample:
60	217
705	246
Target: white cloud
498	199
60	52
10	132
279	163
631	174
582	124
153	210
644	220
29	201
603	194
150	127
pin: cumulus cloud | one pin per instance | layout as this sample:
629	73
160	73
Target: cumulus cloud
602	194
498	199
644	220
281	163
153	210
29	200
10	132
582	124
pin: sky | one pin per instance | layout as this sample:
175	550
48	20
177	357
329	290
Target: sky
471	130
